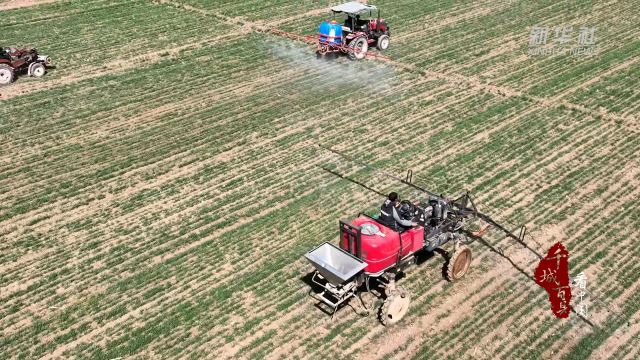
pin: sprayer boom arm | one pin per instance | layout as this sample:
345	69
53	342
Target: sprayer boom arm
462	206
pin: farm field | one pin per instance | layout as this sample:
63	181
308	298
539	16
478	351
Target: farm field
160	186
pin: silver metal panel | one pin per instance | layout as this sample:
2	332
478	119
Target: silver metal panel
353	8
335	264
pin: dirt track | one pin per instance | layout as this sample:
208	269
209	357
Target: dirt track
16	4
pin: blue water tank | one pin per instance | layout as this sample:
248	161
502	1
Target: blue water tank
330	32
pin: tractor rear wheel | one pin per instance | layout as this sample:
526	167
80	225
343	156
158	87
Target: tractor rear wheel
383	42
358	48
395	306
459	264
37	70
6	74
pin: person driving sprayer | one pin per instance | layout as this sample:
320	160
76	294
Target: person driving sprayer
389	214
355	23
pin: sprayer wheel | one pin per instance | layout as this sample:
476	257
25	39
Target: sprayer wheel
395	306
7	74
459	264
383	42
358	48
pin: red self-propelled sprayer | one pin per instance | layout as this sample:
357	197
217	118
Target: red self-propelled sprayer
370	254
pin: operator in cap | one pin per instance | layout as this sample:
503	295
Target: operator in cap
389	214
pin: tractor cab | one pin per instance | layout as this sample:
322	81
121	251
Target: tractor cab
15	54
353	23
360	17
4	54
10	53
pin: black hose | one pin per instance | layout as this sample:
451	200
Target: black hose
399	251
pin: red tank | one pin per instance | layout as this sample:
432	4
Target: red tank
378	251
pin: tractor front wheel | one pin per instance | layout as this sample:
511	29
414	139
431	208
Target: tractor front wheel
358	48
459	264
37	70
395	306
6	74
383	42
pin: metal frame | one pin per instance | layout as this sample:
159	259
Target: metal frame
341	293
353	237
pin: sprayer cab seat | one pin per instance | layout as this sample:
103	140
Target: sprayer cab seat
356	24
354	10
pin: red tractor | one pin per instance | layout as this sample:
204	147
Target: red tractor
14	61
359	30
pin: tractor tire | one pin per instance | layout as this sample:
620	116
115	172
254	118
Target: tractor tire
459	264
395	306
383	42
37	70
358	48
7	75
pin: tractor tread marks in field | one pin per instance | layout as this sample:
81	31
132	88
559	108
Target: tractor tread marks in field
395	306
458	264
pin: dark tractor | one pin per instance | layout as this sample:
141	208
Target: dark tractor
17	61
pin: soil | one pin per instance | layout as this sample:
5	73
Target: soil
16	4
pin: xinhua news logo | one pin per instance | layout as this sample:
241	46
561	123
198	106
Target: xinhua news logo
562	40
